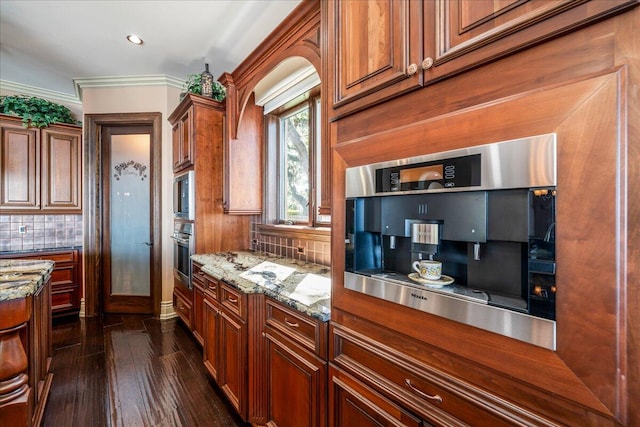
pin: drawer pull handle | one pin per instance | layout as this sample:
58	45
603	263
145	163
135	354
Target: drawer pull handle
435	397
292	324
232	300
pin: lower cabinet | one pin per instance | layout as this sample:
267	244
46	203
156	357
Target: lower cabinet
354	404
66	278
268	359
25	358
211	340
390	382
224	333
198	312
296	376
183	303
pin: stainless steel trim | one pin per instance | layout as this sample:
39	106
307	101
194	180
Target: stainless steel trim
519	163
520	326
188	176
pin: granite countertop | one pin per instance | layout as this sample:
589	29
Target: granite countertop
30	251
303	286
20	278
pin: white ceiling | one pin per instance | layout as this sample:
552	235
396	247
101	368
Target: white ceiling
47	44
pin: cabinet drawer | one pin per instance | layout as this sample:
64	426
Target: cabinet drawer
183	308
57	257
306	331
196	272
64	298
233	300
62	275
434	395
206	282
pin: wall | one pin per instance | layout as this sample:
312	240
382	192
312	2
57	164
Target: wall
138	99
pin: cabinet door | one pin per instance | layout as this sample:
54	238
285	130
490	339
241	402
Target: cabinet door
233	361
198	313
182	141
176	135
186	139
374	49
296	385
352	404
460	35
61	170
211	352
20	171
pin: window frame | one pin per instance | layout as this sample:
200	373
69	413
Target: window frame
273	210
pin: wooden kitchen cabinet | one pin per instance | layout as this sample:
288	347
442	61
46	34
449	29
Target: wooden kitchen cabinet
66	278
380	49
211	337
224	333
183	139
41	168
354	404
25	357
198	312
296	368
183	305
414	388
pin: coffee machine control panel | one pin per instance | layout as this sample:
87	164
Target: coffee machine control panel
456	172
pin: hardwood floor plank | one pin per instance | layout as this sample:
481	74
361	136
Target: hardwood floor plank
131	370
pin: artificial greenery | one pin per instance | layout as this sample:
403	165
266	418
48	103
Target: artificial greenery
36	112
193	84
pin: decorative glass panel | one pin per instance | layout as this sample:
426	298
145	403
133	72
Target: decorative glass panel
130	215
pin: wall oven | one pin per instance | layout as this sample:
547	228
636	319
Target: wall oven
183	247
183	196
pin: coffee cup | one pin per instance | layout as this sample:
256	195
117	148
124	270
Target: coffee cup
428	269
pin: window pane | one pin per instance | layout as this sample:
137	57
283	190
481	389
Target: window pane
296	164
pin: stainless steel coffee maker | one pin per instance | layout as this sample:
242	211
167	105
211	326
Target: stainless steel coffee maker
487	213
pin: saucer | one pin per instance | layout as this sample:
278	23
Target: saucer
444	280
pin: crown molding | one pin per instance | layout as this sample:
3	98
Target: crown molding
120	81
51	95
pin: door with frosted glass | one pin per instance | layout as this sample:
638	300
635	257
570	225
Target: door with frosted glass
127	244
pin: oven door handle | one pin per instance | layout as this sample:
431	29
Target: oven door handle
180	240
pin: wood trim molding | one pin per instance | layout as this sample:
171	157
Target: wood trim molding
92	261
588	116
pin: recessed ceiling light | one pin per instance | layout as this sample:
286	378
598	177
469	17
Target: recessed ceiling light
134	39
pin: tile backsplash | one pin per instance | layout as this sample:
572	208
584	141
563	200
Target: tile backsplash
33	232
293	246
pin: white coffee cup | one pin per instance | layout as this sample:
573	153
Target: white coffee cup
428	269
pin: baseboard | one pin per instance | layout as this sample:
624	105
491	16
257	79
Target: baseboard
82	312
166	310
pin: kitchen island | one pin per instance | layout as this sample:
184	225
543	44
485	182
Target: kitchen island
25	344
263	323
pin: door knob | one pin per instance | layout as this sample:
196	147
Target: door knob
148	243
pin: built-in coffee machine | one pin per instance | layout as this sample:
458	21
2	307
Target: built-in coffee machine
484	216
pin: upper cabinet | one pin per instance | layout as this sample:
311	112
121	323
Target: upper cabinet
182	139
373	49
41	168
379	49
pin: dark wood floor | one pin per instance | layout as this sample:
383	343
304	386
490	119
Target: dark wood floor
131	370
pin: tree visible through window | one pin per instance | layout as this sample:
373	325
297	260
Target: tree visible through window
295	130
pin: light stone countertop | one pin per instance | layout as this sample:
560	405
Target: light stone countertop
306	288
20	278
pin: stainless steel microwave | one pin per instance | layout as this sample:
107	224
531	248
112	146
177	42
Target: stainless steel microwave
183	196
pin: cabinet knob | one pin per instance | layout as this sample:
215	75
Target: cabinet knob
427	63
412	69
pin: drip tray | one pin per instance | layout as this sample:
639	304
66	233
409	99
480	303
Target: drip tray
453	289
